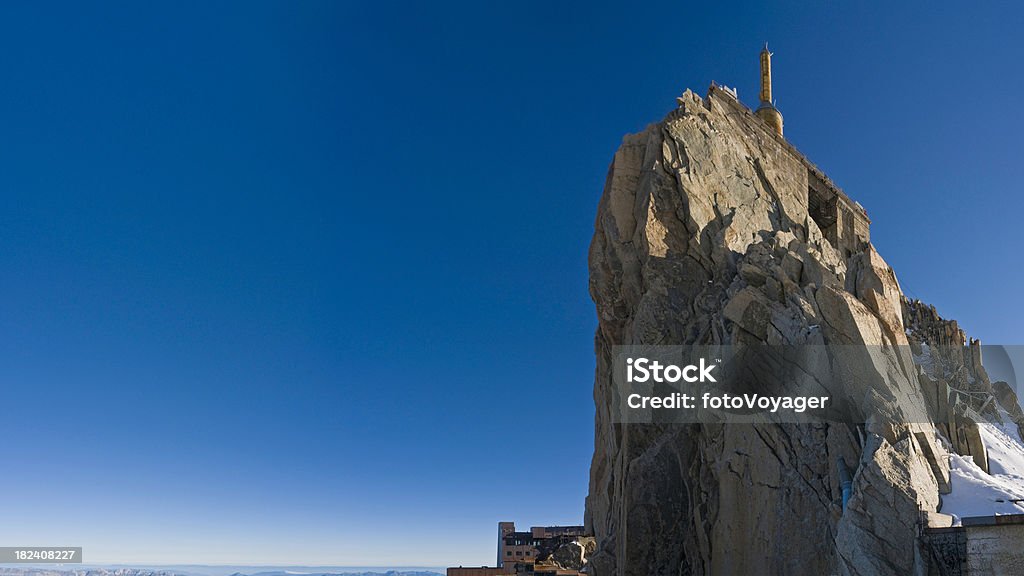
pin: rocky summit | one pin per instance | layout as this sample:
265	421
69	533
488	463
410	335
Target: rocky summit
713	229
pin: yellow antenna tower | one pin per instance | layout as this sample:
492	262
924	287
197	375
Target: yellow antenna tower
767	111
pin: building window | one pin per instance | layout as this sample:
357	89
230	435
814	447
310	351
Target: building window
509	553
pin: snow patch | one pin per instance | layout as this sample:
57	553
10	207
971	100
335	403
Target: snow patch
1005	449
975	493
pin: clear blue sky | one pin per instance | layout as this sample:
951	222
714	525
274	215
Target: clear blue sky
306	282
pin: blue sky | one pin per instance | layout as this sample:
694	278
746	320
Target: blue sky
306	282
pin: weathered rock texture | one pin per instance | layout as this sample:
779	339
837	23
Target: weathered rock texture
566	554
712	229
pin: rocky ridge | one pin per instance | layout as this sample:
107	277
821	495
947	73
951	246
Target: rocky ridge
709	231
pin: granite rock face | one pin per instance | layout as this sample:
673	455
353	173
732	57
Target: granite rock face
569	555
713	230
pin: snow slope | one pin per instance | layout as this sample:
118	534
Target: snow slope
975	493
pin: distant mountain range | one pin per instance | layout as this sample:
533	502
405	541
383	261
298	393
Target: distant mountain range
33	570
289	573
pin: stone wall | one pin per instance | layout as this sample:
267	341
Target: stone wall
989	546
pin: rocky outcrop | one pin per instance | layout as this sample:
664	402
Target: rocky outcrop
952	378
567	554
1009	402
709	232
